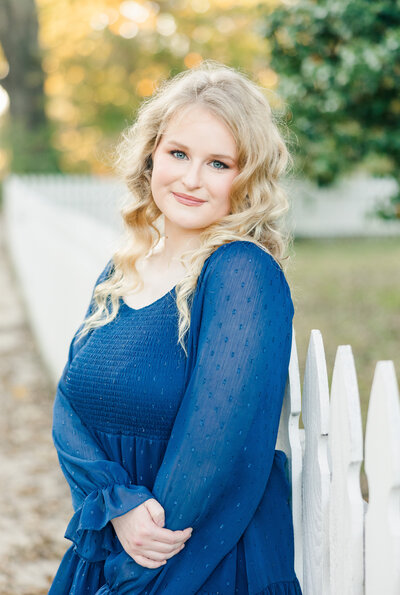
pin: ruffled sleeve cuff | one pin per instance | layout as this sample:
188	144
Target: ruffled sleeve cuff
89	528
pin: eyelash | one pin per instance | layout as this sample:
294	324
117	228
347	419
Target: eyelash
214	160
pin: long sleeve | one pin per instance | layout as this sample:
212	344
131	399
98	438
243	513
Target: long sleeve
220	453
101	489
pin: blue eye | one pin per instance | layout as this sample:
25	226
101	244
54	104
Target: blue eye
220	162
179	152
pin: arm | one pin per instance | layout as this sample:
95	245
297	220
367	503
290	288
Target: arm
101	489
222	445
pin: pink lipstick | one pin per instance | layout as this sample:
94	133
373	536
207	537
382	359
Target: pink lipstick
188	200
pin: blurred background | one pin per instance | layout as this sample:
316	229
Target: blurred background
72	75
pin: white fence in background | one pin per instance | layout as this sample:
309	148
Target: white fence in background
60	240
343	545
96	196
343	210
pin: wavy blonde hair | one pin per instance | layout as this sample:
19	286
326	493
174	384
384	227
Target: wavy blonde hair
257	199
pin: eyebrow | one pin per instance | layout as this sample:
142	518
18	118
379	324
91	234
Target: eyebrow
219	156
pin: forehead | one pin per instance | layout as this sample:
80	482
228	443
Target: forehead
197	123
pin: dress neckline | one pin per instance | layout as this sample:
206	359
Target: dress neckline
123	302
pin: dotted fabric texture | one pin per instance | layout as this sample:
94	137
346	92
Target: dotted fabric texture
135	419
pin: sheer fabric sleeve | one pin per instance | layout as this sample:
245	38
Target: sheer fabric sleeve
101	489
219	456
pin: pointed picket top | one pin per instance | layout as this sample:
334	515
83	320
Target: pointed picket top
346	507
382	467
316	473
289	440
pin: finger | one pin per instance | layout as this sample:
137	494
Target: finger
159	556
162	549
147	563
156	511
170	537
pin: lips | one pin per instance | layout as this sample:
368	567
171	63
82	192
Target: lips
188	200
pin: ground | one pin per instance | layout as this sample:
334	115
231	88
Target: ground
35	502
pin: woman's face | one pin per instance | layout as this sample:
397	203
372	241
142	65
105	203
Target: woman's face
194	166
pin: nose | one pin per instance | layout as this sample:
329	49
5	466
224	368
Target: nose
192	175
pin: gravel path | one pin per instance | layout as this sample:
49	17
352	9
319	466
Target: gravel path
35	503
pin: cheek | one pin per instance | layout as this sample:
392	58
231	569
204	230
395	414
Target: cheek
222	203
226	193
161	174
163	161
224	188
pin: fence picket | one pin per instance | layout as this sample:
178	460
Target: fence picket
382	466
290	439
316	474
346	509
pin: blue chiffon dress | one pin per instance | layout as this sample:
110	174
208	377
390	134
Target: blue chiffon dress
134	418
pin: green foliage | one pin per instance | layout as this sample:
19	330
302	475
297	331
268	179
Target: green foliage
114	55
31	149
340	77
99	61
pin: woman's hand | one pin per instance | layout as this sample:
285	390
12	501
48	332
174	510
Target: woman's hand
143	538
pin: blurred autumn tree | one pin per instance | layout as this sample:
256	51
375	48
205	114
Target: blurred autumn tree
27	131
339	72
101	58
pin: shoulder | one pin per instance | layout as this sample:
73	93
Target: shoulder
244	256
243	264
103	276
106	272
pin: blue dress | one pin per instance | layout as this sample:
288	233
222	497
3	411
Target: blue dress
134	418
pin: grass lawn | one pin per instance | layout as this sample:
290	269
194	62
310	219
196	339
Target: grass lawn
349	289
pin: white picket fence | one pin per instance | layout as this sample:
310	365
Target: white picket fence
343	545
59	237
314	212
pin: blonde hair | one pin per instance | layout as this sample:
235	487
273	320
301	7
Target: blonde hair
257	199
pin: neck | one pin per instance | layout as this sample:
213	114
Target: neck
176	241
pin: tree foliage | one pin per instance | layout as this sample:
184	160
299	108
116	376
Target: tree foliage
339	70
101	58
27	131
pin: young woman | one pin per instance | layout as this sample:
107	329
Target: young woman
167	412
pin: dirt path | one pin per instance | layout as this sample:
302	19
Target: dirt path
34	498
